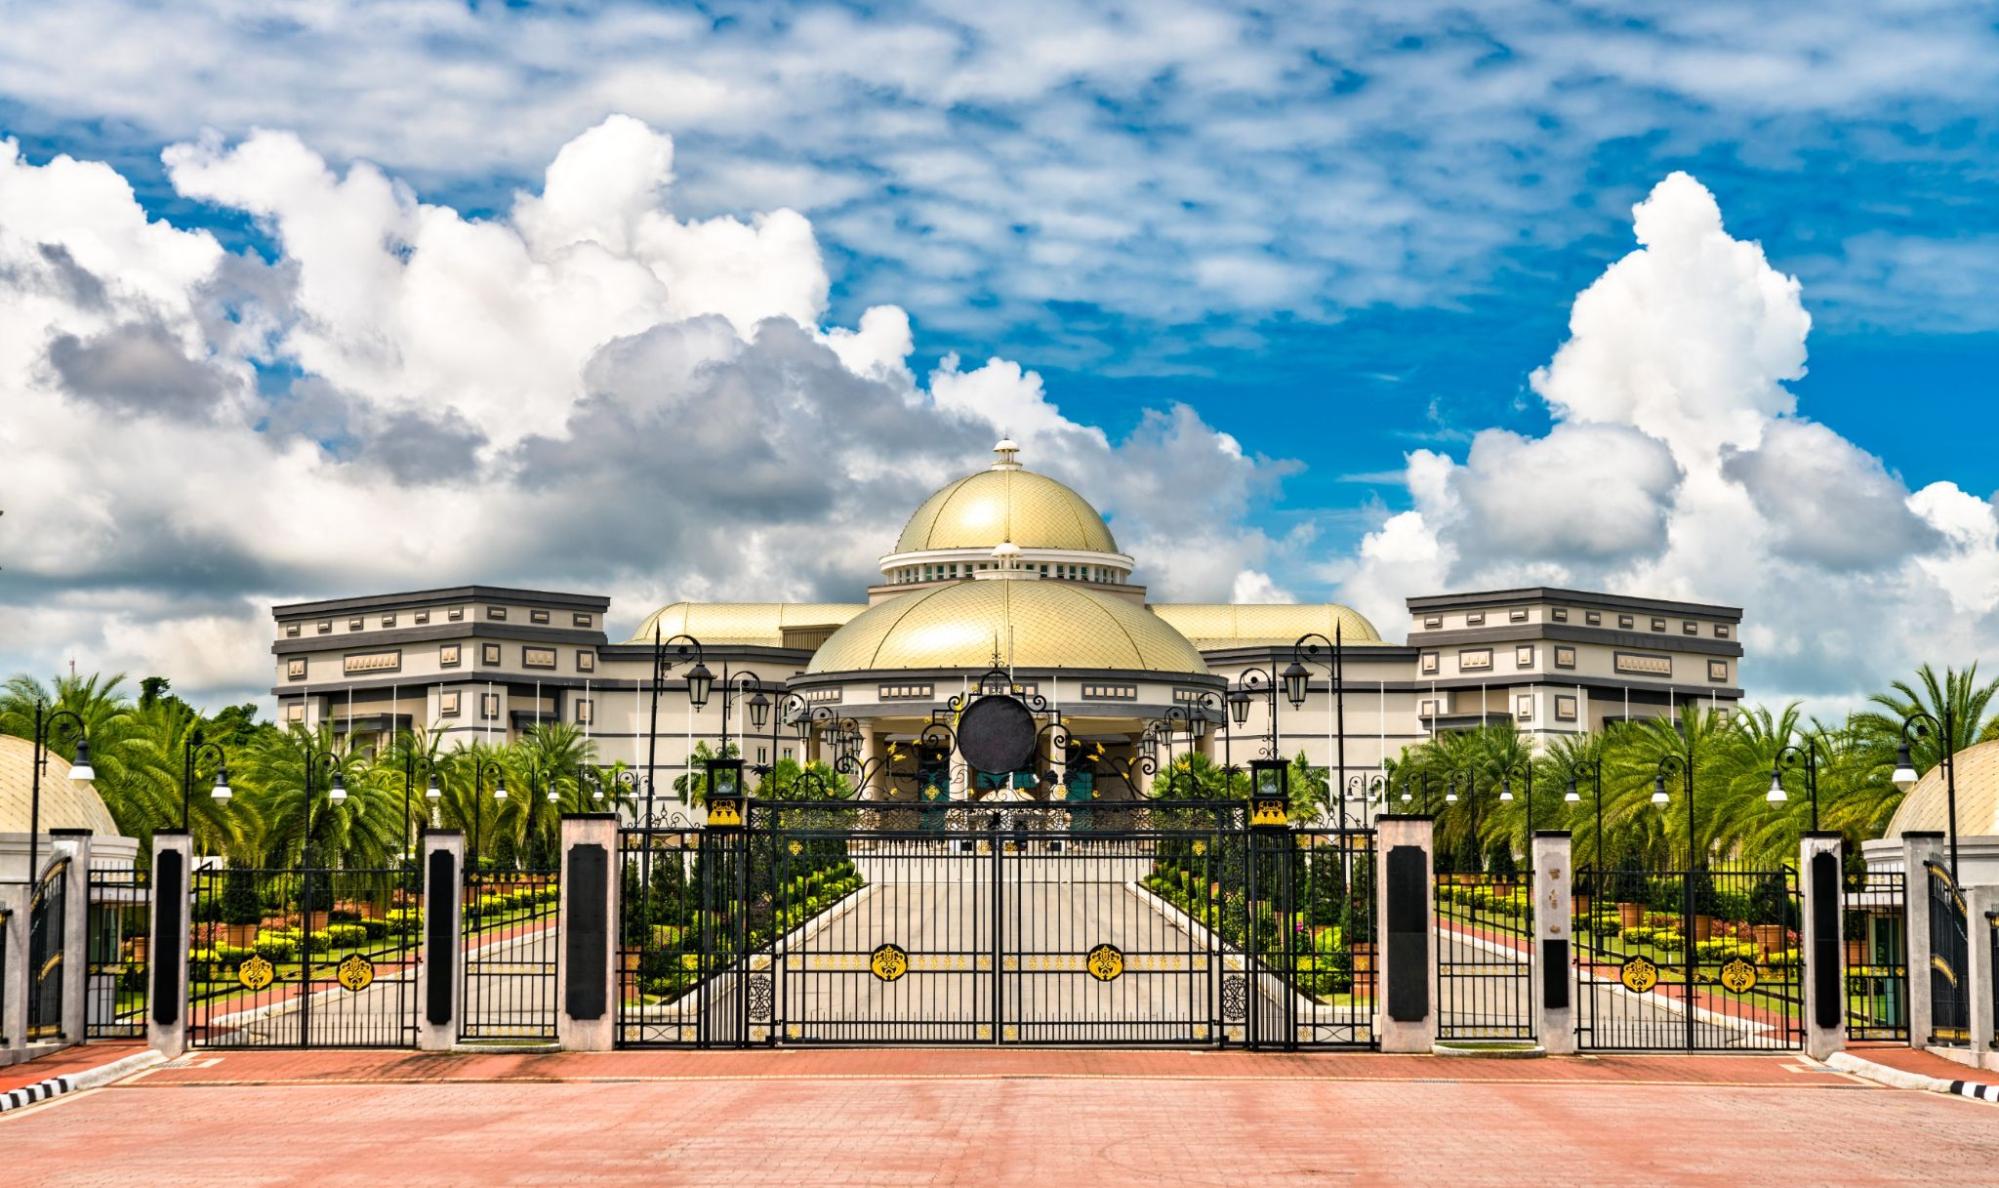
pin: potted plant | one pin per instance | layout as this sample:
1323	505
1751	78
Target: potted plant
1856	940
242	909
1705	903
1769	913
1628	884
1357	924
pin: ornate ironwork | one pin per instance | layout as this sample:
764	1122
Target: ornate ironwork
761	998
1235	998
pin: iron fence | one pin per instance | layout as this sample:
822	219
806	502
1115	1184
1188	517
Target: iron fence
665	966
508	973
48	923
116	984
6	919
1875	949
1485	956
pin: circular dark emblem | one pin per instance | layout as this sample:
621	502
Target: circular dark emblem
1105	962
1235	998
760	994
996	734
1638	974
888	962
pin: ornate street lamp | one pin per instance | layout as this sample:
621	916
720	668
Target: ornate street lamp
46	721
1807	757
1917	725
699	682
1506	793
1307	648
191	755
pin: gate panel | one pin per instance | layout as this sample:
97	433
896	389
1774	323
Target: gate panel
1950	950
508	970
47	925
1643	984
1485	956
303	958
662	978
1307	923
1876	953
116	985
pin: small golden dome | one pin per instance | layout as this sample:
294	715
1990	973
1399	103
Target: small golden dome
66	803
1034	624
1006	503
1926	806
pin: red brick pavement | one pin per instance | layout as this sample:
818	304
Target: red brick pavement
66	1062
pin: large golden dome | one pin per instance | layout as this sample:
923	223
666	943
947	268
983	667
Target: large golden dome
1030	624
1006	503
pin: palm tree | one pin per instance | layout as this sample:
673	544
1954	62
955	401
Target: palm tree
1955	697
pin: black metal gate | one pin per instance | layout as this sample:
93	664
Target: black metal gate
509	965
1950	967
1732	982
47	930
1485	955
1131	923
312	958
1876	954
115	988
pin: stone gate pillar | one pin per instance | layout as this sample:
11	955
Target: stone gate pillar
76	931
1405	1016
14	898
166	950
1916	849
1979	904
1820	943
586	985
439	986
1552	982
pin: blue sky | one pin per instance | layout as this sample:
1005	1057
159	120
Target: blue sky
1338	236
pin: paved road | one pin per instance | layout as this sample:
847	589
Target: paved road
997	1116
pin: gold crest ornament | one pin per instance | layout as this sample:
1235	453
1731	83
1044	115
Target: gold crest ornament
1105	962
256	973
354	972
796	848
1266	811
724	812
1738	975
888	962
1200	847
1638	974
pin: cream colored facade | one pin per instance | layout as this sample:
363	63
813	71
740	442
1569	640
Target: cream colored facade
1005	569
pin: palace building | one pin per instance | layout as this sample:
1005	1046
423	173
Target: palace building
1004	569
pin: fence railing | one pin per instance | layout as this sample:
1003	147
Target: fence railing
1950	949
6	983
115	983
509	969
48	913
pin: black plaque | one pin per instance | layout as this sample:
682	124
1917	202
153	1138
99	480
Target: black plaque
1555	975
440	937
169	897
1408	934
996	735
1828	1008
586	955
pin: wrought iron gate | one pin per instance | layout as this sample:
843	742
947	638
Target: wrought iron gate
1645	981
1950	950
115	988
1876	953
1485	955
303	958
1131	923
47	929
509	965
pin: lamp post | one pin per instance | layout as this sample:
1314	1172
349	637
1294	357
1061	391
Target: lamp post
190	756
1365	788
1917	725
480	766
788	707
1807	757
1571	796
1526	768
46	721
699	682
595	779
1307	647
1253	683
1684	766
750	687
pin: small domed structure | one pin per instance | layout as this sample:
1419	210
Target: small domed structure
952	532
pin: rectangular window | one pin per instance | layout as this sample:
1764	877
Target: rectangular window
295	669
1640	665
295	712
1429	709
363	663
537	616
1475	660
497	613
832	694
1690	628
447	655
1593	618
1721	631
1432	622
447	704
537	657
1516	616
1475	619
1110	692
584	711
388	620
586	660
1717	671
422	618
580	620
1523	656
356	624
489	653
1565	657
909	692
1658	624
291	630
1626	622
1565	708
455	614
1523	707
1560	614
489	706
325	626
1429	664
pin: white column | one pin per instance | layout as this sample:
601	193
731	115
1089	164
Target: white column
14	899
443	909
1405	906
1916	847
586	977
76	931
1550	852
167	935
1979	903
1821	1042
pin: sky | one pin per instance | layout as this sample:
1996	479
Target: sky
1354	302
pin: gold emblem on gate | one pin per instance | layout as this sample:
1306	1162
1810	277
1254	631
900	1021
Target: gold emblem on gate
888	962
1200	847
1105	962
256	973
1638	974
355	972
1738	975
796	848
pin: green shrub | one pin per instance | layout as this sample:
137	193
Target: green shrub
345	935
403	921
276	946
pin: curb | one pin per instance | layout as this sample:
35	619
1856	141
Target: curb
89	1078
1896	1078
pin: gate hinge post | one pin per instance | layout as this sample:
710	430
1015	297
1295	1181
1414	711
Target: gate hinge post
439	932
586	984
1821	943
1918	847
167	950
1405	890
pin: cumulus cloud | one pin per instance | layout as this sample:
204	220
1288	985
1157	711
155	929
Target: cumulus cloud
1677	465
583	390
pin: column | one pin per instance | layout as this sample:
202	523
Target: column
586	975
14	899
76	931
1553	982
1980	904
1405	1017
872	760
1916	848
1821	944
166	950
438	985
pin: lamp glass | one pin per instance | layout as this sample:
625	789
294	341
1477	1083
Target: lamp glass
80	768
699	682
500	788
759	710
1294	684
221	790
1239	706
338	792
434	791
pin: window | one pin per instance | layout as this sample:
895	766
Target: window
1625	621
447	704
1110	692
1690	628
388	620
1523	707
295	712
325	626
580	620
422	617
447	655
1722	714
455	614
489	653
1658	624
1516	616
1432	622
1593	618
489	706
1565	708
1721	631
586	660
291	630
1523	656
537	616
295	669
1559	614
1475	619
1565	657
363	663
497	613
1717	671
1474	659
356	624
1429	709
1638	665
1429	664
911	692
537	657
584	712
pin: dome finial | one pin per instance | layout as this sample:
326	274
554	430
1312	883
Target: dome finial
1007	449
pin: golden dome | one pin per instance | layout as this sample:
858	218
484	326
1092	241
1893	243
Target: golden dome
743	622
1926	807
1006	503
66	803
1223	625
1035	624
